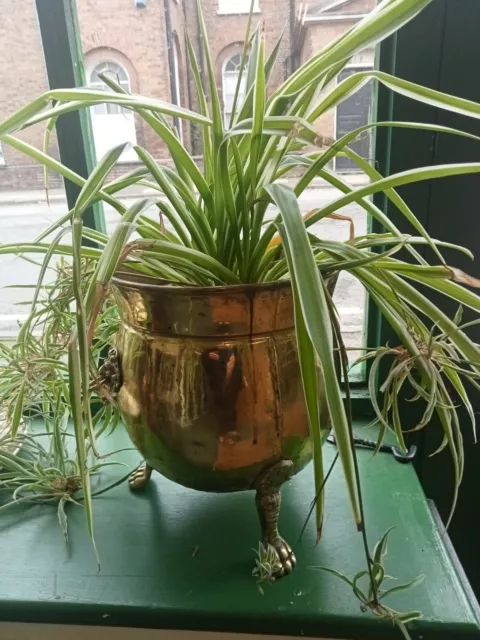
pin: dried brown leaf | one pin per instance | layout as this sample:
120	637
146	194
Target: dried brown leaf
463	278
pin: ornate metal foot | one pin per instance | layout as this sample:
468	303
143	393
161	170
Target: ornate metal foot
268	500
110	377
140	477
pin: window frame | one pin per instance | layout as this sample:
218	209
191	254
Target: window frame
60	36
98	84
99	114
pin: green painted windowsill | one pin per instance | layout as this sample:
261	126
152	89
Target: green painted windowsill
150	576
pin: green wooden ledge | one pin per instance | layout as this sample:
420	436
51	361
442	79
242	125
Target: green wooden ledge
150	576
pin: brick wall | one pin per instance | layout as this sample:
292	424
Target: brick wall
136	38
319	35
117	30
226	35
23	78
110	30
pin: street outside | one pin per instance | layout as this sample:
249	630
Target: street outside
22	219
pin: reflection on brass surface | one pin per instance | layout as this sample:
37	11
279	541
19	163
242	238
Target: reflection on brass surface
212	392
110	375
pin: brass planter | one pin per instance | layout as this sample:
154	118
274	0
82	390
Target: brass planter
211	391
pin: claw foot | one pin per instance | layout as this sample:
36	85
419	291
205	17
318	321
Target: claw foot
140	477
286	558
268	500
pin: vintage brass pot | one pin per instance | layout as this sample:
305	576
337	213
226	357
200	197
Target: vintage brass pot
211	391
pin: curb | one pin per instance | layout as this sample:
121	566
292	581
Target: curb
29	199
57	198
35	197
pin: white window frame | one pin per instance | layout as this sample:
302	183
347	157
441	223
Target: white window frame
106	109
234	7
100	86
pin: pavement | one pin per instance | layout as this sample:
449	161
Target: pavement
37	196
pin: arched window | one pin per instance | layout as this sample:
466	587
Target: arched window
231	71
117	73
111	123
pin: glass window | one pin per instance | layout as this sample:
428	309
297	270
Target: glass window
231	70
119	46
355	112
352	113
136	48
112	124
326	21
25	210
119	75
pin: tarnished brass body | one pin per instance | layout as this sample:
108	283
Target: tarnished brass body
211	388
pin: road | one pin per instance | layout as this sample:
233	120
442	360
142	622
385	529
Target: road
25	221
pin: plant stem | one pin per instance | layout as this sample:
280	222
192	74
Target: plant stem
314	501
344	364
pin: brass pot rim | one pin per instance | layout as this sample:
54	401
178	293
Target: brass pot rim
150	283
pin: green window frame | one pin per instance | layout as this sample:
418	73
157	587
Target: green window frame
60	36
444	57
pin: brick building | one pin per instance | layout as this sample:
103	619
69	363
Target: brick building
141	43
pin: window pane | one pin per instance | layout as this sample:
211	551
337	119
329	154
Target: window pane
111	124
230	80
144	53
24	209
127	43
327	20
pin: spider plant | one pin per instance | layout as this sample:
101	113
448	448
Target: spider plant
34	387
214	227
46	473
34	370
371	597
